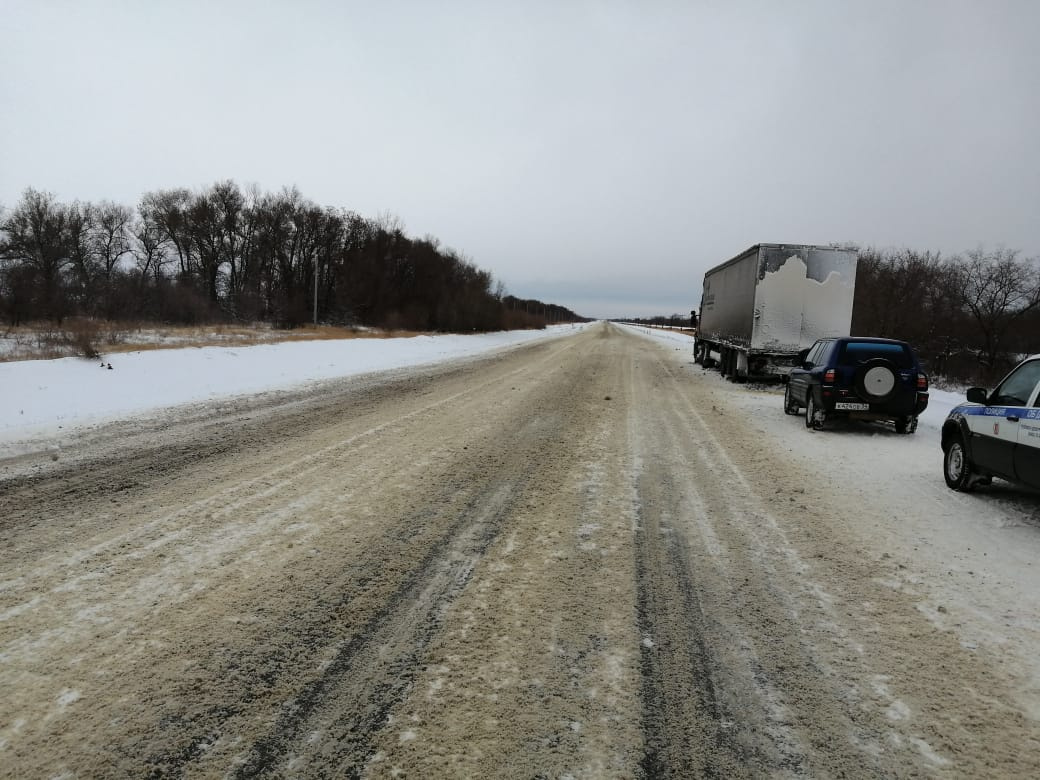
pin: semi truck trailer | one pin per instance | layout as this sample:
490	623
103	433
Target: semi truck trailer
760	308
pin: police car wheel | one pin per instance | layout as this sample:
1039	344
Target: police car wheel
957	468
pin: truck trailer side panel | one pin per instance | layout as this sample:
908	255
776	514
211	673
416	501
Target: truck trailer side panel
728	299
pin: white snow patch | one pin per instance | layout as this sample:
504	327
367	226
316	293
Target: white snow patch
43	397
897	710
67	697
18	609
825	307
15	729
928	753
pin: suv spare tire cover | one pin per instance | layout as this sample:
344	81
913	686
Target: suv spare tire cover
876	379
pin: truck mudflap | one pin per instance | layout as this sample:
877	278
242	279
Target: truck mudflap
772	366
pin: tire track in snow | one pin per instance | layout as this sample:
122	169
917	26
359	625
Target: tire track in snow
691	726
863	678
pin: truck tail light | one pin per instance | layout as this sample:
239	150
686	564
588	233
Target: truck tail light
922	382
828	375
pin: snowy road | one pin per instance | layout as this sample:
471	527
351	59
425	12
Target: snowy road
584	557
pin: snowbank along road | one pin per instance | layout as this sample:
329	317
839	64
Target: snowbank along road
584	557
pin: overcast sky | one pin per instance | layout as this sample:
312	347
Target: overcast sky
599	155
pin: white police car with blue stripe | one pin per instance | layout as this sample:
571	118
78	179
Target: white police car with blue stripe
996	434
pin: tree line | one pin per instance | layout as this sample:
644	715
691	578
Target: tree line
969	316
226	254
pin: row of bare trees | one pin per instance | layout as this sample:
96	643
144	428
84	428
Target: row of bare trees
969	316
224	253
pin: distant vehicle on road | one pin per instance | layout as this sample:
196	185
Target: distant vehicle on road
996	434
858	378
770	301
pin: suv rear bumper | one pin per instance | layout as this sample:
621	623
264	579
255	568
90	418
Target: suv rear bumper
839	401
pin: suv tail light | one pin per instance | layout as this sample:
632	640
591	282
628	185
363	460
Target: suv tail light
922	382
828	376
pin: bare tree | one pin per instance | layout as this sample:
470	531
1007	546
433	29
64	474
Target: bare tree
165	209
997	289
149	248
109	243
36	245
111	235
892	290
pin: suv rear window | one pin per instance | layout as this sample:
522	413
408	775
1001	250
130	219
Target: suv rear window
854	353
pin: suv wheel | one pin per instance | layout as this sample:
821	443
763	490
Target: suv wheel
956	466
876	380
790	405
813	416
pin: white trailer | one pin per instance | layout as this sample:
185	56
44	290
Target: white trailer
760	308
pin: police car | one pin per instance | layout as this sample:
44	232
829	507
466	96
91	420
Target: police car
996	434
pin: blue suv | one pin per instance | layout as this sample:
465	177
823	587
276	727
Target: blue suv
858	378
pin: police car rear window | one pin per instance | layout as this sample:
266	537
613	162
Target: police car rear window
854	353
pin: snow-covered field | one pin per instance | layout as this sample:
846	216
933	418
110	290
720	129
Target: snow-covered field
44	399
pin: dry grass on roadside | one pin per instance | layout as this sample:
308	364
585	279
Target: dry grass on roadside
91	338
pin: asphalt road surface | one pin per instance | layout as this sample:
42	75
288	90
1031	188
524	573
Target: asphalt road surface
571	559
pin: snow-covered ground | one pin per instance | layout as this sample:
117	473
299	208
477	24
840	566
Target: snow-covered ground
51	398
939	401
971	558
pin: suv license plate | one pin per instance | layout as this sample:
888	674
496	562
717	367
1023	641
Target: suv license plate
851	407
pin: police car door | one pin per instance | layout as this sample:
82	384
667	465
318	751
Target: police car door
1027	453
996	431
